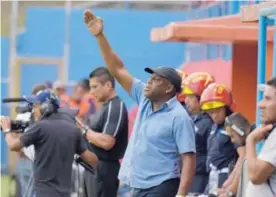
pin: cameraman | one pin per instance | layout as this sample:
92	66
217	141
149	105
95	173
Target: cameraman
108	135
55	140
24	164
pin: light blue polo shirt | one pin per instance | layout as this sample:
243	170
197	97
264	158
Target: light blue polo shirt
158	139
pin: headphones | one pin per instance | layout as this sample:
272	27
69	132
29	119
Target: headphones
50	106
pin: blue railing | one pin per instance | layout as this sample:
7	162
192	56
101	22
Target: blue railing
264	21
200	52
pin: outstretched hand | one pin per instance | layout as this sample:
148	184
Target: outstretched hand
94	24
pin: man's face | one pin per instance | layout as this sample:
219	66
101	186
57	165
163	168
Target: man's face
36	112
78	93
99	89
217	115
192	103
157	87
268	105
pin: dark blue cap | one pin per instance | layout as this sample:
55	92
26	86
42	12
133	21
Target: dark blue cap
42	96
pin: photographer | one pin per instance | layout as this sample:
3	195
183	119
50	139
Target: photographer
108	135
262	168
55	141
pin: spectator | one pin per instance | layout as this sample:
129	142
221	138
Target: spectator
217	101
60	90
78	100
238	128
262	168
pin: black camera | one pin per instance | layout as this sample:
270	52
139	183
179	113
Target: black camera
19	125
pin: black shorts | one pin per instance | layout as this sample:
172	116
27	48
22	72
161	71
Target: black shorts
104	183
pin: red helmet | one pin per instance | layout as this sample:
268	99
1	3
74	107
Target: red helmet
196	83
215	96
183	75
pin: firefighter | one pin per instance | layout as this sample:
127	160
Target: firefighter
193	87
217	101
181	96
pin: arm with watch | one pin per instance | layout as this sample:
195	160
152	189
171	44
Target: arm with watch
101	140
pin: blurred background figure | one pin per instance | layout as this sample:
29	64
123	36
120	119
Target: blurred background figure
60	90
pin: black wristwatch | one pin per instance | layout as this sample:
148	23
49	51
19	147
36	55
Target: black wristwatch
84	131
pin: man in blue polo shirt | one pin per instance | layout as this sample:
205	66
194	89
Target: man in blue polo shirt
163	132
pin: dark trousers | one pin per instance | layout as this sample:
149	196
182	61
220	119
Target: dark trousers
199	183
168	188
221	179
104	183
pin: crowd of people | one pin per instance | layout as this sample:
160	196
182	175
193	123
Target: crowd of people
187	138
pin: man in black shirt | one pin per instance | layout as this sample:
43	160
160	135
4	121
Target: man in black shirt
56	139
107	133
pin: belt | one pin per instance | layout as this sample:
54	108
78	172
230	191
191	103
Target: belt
220	171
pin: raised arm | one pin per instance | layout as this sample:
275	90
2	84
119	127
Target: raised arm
113	62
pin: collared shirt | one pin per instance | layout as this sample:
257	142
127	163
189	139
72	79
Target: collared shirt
158	139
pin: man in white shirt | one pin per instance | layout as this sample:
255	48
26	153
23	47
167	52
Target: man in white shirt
262	168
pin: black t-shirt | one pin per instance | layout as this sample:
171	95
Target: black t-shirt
112	119
55	140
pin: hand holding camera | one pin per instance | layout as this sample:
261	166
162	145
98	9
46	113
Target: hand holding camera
5	124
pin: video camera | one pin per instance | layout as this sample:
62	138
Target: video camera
19	125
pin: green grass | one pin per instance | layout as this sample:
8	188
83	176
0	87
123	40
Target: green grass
7	187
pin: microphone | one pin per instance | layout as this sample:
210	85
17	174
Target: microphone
13	100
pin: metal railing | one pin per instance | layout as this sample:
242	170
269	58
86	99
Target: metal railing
215	9
267	16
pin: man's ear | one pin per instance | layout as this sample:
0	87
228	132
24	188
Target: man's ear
108	84
170	89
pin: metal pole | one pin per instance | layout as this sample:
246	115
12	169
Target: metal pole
13	54
12	69
13	33
274	50
261	65
65	71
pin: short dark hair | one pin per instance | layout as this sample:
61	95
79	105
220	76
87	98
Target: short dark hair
85	84
272	82
104	74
